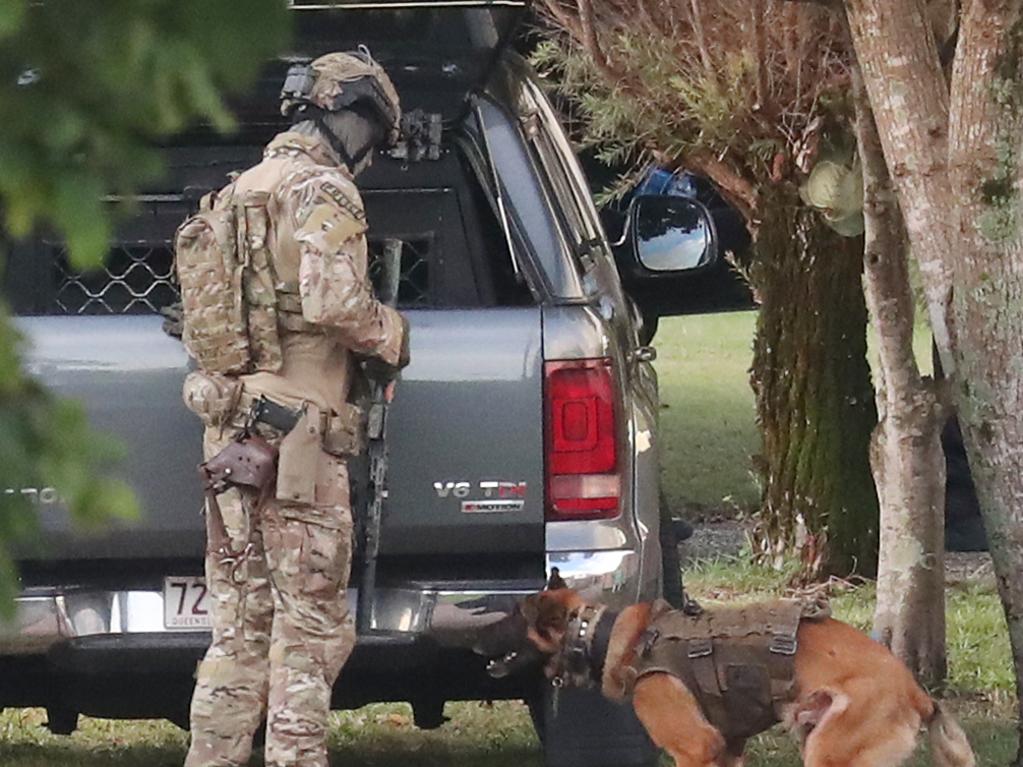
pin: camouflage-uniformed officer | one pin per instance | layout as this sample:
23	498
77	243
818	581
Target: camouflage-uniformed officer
281	625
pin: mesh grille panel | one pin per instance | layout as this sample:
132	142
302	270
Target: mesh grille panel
138	278
414	288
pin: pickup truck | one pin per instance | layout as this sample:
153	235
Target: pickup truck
523	436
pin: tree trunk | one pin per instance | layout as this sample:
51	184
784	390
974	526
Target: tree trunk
961	199
894	44
906	454
986	170
813	393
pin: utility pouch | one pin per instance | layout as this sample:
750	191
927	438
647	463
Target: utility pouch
212	397
259	281
300	459
344	433
210	274
249	462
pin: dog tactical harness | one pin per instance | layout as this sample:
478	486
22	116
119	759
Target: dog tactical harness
739	662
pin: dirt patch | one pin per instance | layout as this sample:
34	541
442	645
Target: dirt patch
714	539
969	567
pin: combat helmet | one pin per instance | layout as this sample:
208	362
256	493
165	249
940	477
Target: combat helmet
337	81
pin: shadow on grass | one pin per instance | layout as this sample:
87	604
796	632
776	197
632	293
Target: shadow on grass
380	753
516	756
49	755
383	737
380	735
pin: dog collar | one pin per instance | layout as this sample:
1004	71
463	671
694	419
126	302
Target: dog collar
586	644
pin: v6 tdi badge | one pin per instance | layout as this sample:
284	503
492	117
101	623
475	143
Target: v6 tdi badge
488	496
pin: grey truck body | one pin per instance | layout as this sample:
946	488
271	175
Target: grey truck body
500	279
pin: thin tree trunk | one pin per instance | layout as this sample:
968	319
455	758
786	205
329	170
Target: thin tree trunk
906	455
814	396
895	44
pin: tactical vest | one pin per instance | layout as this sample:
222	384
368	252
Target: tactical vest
739	662
227	281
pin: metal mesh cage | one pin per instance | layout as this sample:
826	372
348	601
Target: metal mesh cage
137	278
414	288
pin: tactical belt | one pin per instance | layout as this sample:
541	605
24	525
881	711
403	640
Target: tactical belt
342	433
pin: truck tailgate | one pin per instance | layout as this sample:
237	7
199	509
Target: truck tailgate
127	374
465	437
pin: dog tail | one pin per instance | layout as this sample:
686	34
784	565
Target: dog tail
949	746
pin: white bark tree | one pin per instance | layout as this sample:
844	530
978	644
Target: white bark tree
905	455
956	160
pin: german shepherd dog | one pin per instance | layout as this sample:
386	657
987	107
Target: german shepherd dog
853	704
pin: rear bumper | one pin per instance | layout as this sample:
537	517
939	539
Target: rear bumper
107	653
47	619
447	615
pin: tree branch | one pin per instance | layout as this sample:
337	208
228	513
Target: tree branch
644	14
733	186
760	53
563	19
592	44
701	40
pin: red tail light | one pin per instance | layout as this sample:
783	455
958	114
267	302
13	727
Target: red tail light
581	440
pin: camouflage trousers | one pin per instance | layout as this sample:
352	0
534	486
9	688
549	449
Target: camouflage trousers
281	627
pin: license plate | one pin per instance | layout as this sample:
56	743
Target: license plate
185	603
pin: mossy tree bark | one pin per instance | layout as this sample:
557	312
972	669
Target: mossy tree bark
814	396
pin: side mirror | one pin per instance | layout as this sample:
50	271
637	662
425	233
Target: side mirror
669	257
670	236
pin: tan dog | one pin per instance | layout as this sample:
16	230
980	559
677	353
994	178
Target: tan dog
852	703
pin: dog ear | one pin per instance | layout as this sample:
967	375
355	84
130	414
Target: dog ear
552	617
556	582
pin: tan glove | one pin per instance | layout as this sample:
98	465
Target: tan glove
378	370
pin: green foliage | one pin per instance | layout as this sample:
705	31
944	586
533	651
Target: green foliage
657	85
86	87
86	92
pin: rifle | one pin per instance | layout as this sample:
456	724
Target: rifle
376	433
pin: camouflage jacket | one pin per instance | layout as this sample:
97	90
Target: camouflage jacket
326	305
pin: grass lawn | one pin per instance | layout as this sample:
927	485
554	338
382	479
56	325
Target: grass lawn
380	736
500	735
708	427
708	432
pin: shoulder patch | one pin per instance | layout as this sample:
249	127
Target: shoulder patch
343	201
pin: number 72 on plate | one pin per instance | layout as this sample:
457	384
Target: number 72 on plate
185	603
